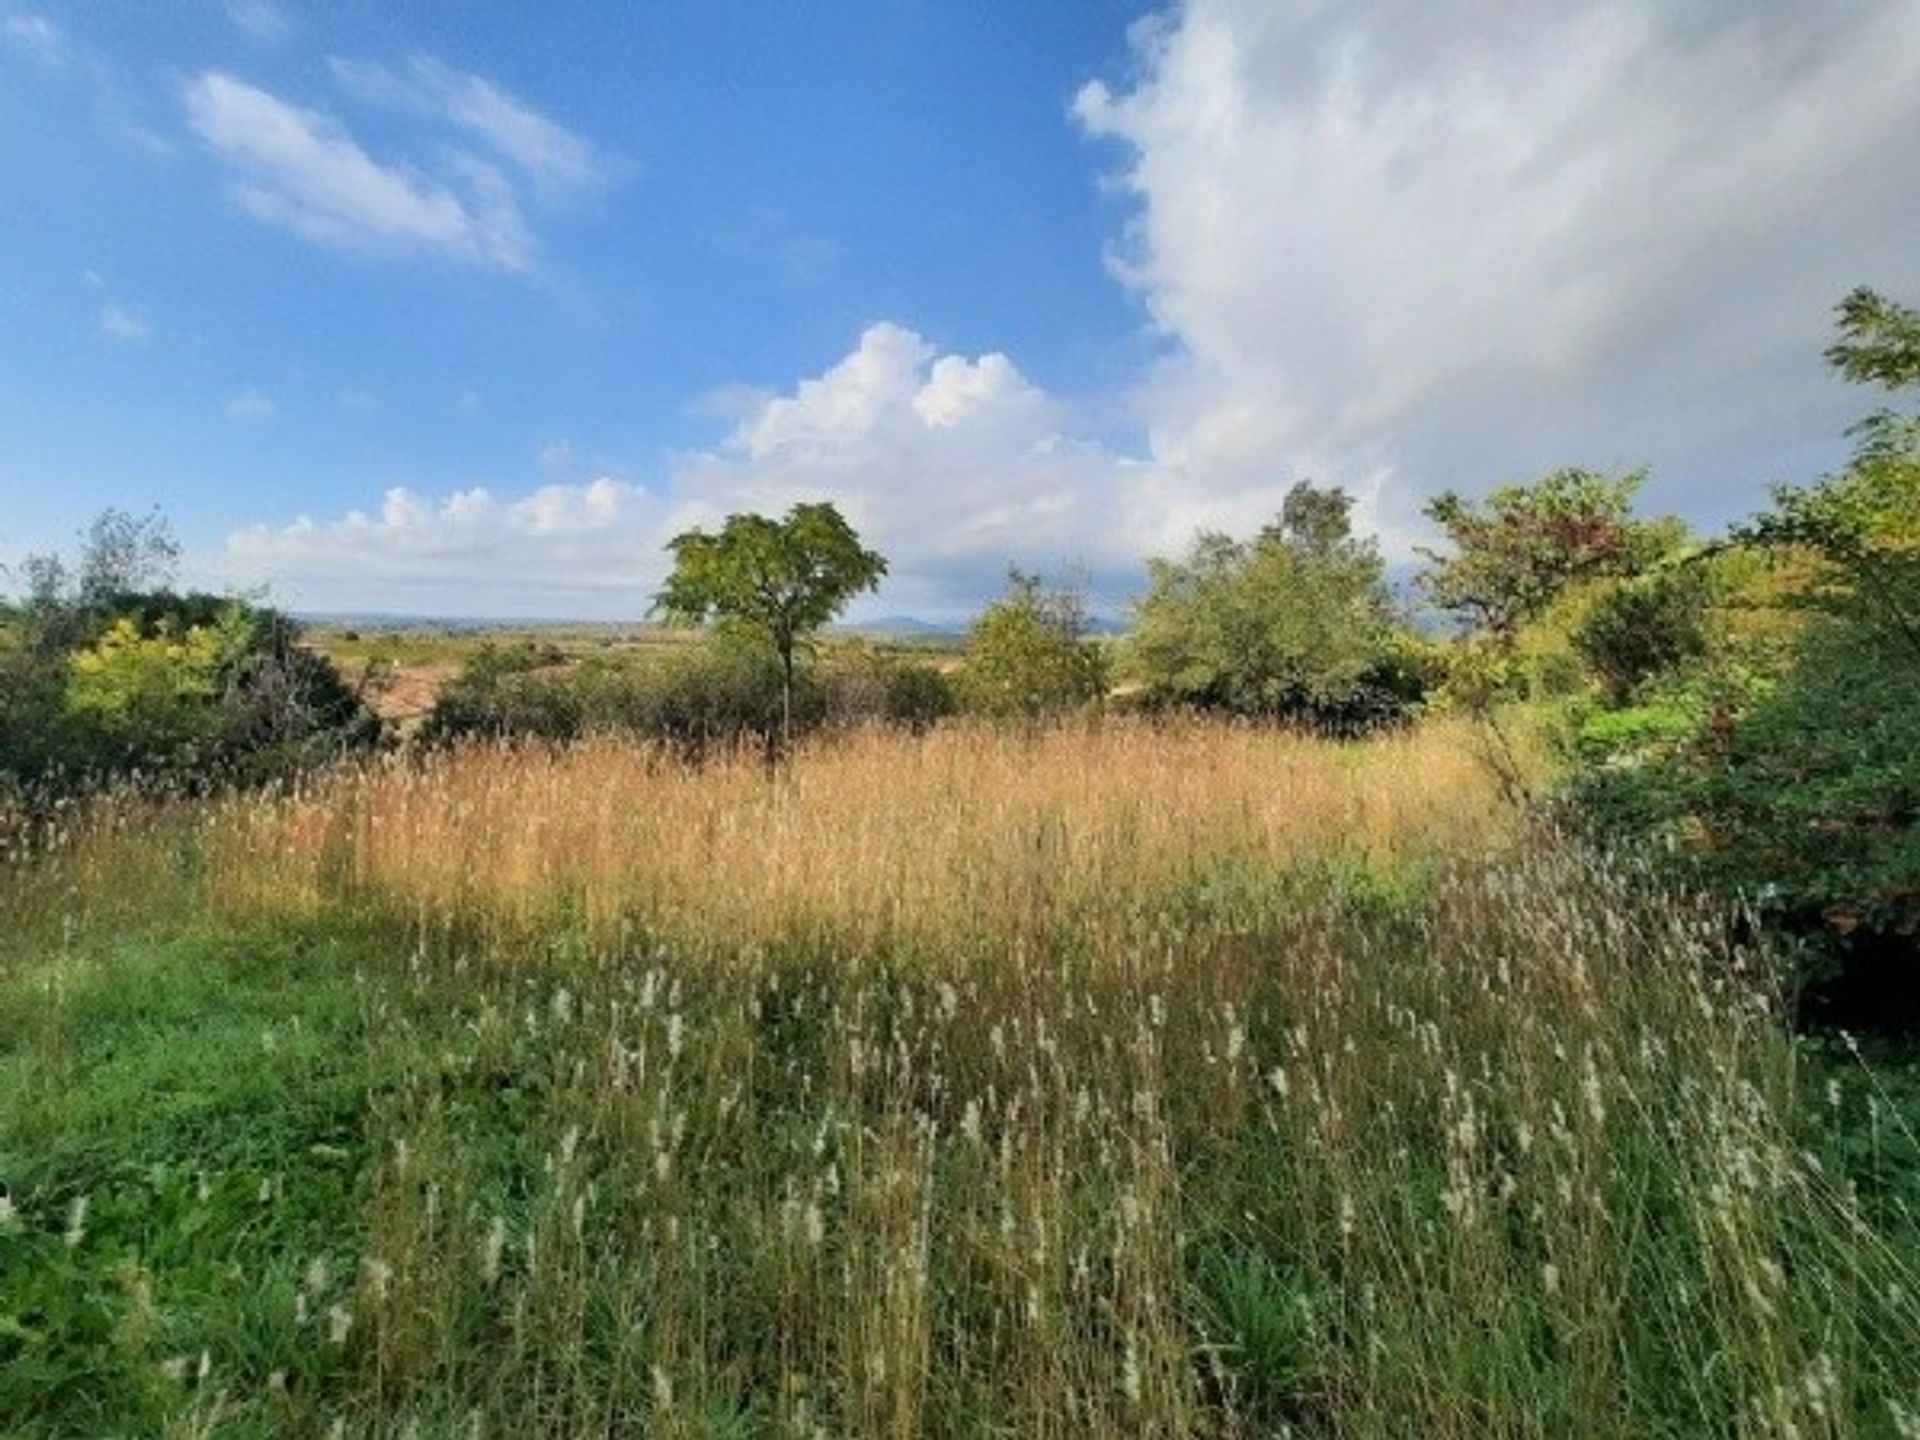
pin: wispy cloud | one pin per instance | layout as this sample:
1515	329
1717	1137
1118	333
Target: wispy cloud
262	19
37	36
550	157
250	405
123	324
302	170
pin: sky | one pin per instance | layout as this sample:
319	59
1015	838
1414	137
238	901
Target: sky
466	309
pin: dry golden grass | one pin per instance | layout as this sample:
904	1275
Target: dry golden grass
871	835
1127	1080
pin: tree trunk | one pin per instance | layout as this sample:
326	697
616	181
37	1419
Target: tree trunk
786	696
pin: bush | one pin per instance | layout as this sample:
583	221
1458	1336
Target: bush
863	684
1296	624
1643	628
185	689
1028	654
694	698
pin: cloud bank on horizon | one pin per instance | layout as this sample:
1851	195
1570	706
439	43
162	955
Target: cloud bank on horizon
1396	247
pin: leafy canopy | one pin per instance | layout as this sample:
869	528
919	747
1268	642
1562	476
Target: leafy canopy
775	580
1296	622
1027	653
1514	553
1864	522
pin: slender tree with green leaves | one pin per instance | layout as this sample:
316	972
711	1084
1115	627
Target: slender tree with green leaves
775	582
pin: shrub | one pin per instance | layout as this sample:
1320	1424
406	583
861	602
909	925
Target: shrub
1028	653
189	689
1643	628
1296	624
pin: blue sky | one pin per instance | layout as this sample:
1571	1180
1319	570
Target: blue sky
465	309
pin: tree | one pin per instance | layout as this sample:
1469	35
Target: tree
1296	623
1864	522
774	581
1797	787
1027	654
112	672
126	554
1517	551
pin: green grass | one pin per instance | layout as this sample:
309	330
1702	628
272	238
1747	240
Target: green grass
1321	1146
206	1098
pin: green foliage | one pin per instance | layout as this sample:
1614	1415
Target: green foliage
1518	550
694	698
1645	627
192	689
1784	768
773	581
1879	344
1028	653
1296	623
1631	734
862	683
103	676
148	694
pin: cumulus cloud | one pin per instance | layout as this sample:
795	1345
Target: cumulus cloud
303	170
559	550
1433	245
952	465
1393	247
547	154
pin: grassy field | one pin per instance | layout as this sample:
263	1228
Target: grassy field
1124	1080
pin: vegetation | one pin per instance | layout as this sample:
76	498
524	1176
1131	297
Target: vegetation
772	581
1176	1073
709	695
1297	623
1513	554
1133	1080
1029	654
106	674
1786	775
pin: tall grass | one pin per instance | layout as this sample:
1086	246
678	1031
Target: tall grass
1126	1081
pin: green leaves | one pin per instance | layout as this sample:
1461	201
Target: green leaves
1515	552
1297	622
778	579
772	581
1027	654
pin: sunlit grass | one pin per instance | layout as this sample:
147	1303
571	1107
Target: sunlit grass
1116	1081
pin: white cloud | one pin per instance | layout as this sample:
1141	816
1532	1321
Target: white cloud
122	324
262	19
1394	248
567	550
302	170
38	36
952	465
550	156
1451	245
250	405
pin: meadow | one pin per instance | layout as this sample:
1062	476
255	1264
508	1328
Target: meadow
1122	1078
